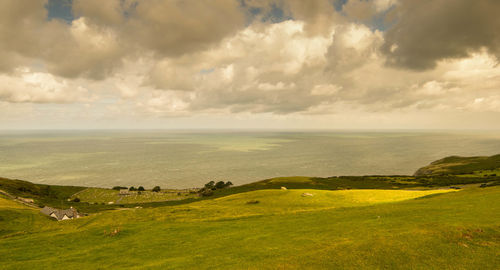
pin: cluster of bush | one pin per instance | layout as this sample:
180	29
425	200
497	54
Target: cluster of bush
211	186
140	188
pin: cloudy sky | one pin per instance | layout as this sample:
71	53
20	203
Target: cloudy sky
291	64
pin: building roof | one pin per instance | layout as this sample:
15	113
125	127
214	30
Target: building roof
47	210
59	213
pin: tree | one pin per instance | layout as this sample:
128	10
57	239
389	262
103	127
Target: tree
141	188
131	189
210	185
228	184
220	185
156	189
118	187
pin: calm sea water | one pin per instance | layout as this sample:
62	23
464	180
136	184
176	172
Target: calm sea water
190	159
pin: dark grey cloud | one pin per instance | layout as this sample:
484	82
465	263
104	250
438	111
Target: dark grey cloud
427	31
176	27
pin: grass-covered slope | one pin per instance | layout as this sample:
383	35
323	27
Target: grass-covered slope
394	182
18	219
367	230
455	165
263	202
62	196
42	194
97	199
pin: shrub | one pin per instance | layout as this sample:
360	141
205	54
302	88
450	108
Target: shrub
76	199
253	202
156	189
207	192
141	188
23	189
118	187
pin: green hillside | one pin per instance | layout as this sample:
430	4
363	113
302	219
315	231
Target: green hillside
26	189
42	194
455	165
63	196
344	222
18	219
332	229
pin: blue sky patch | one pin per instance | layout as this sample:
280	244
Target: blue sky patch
338	4
60	9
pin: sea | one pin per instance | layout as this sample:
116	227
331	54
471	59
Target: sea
186	159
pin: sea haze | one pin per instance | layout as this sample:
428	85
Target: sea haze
177	159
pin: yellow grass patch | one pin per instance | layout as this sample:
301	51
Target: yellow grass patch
276	202
6	203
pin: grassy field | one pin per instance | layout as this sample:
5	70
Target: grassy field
18	219
95	199
42	194
345	222
288	201
350	229
102	195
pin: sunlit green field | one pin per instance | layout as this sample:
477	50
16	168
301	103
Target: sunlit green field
101	195
270	202
351	229
9	204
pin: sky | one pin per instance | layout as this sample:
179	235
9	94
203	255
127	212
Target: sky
249	64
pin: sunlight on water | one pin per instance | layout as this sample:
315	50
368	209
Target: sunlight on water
181	160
